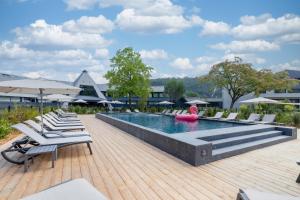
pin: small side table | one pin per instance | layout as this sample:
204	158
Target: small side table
35	150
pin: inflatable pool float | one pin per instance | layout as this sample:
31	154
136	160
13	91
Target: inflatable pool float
188	117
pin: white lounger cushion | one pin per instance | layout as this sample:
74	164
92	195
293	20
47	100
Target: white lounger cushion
252	194
38	128
78	189
60	128
49	141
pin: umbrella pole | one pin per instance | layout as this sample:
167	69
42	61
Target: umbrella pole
41	108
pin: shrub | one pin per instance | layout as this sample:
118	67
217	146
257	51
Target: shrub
4	128
296	119
244	112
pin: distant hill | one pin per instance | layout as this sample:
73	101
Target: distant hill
191	85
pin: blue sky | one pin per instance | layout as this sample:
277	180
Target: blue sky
57	39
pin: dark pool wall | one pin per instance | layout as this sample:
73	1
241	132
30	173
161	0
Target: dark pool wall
193	151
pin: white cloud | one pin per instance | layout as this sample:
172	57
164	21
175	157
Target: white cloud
130	20
205	59
265	25
246	57
155	54
182	63
37	74
293	38
101	53
43	34
215	28
94	25
80	4
246	46
72	76
294	65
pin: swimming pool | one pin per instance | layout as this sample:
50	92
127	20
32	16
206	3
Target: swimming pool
169	124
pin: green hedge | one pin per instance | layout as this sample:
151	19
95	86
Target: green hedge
16	115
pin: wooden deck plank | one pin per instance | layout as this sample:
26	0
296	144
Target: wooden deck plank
124	167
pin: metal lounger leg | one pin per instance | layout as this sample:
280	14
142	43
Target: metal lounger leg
298	179
89	146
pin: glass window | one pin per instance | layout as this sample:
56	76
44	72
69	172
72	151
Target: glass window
88	90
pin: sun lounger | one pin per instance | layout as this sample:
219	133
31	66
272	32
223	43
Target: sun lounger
173	113
52	134
230	117
60	123
218	115
77	189
128	111
65	114
167	112
62	141
252	118
201	113
183	112
59	128
267	119
251	194
136	110
63	118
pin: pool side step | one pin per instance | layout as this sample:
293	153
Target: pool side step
221	143
229	151
235	132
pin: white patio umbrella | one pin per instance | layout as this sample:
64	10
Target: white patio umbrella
104	101
196	102
259	100
38	87
165	103
116	102
58	97
80	101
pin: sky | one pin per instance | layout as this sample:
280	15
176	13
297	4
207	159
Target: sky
57	39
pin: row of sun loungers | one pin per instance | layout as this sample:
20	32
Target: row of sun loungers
253	118
56	130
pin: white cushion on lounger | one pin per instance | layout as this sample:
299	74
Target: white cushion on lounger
258	195
78	189
48	141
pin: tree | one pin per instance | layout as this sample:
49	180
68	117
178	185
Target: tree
129	76
240	78
175	89
191	94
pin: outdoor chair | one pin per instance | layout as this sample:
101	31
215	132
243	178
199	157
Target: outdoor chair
173	113
201	113
252	118
63	141
136	110
128	111
46	118
183	112
218	115
251	194
63	118
52	134
267	119
56	122
76	189
61	113
59	128
231	117
16	152
167	112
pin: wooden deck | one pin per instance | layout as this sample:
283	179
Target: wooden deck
124	167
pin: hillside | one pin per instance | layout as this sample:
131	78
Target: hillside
191	85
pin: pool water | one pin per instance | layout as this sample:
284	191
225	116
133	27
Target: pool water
169	124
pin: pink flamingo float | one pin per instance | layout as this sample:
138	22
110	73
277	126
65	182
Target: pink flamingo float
188	117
